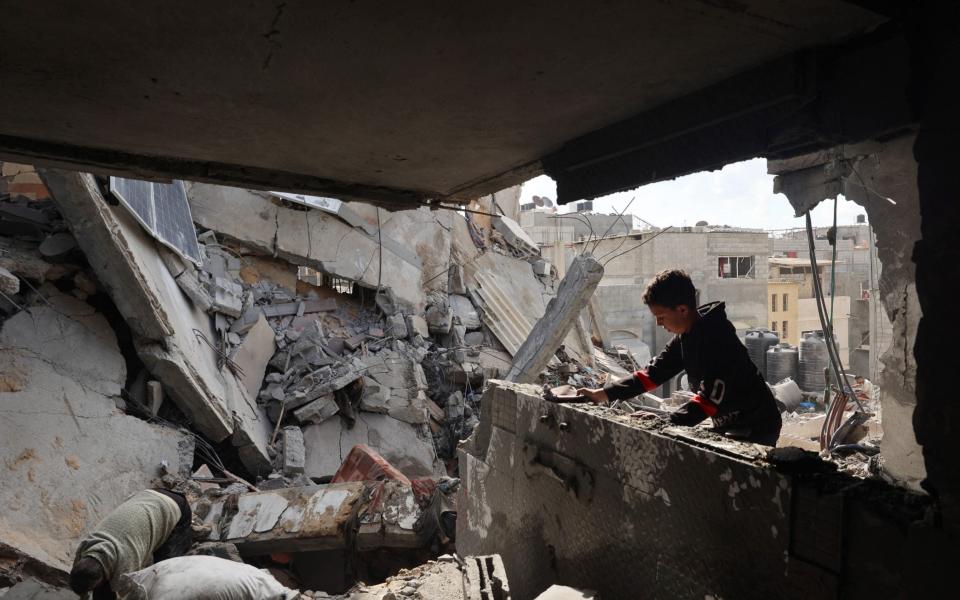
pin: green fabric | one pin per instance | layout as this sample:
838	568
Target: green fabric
126	539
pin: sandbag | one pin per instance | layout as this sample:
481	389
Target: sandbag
202	578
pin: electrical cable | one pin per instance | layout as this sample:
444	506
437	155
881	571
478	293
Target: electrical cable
832	350
612	223
833	263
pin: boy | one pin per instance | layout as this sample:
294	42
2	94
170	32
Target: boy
729	386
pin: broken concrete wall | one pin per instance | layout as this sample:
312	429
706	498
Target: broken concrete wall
69	455
326	242
164	321
579	496
869	174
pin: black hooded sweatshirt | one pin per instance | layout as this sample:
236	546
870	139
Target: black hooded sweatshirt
729	388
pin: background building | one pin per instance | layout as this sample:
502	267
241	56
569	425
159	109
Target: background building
725	263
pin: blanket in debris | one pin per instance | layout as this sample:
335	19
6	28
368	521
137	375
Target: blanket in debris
202	578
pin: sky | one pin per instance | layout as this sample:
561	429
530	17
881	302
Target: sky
739	195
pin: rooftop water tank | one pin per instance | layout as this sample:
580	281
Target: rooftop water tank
758	341
783	360
813	360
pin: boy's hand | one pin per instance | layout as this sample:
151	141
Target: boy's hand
596	395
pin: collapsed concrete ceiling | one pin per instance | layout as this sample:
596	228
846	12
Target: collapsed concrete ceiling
391	104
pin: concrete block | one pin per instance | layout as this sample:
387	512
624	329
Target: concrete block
58	246
294	451
317	411
439	318
541	268
9	283
226	296
254	353
455	282
397	326
417	325
464	312
515	235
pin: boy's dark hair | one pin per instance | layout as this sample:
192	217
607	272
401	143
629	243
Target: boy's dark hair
86	574
671	288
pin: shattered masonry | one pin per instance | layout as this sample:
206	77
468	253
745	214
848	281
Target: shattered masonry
285	350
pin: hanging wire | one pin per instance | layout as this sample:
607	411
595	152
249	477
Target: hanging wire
833	263
612	223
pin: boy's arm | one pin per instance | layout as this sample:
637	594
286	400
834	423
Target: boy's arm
667	364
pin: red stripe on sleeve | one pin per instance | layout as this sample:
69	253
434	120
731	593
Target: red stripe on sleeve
708	407
645	380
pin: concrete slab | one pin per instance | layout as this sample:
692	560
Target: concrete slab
129	264
70	456
31	589
293	519
407	447
319	239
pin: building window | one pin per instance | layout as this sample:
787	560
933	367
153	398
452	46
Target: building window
784	303
735	267
773	303
773	325
784	330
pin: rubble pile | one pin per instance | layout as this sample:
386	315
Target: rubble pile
252	378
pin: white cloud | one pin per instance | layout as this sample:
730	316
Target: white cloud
740	194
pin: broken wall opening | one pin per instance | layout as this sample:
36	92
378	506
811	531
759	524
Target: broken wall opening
881	177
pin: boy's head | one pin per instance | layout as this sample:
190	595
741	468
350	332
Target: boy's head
87	573
672	299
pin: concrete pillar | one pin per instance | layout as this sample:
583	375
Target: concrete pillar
574	293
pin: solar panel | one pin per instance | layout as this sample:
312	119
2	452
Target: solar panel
162	208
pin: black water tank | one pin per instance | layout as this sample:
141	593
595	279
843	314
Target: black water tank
782	362
813	360
758	341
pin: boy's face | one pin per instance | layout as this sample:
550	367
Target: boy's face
676	320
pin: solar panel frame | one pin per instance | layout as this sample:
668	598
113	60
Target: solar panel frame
163	210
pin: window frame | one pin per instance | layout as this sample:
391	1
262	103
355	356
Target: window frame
737	264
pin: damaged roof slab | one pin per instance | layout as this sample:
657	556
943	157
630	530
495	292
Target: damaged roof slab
228	101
